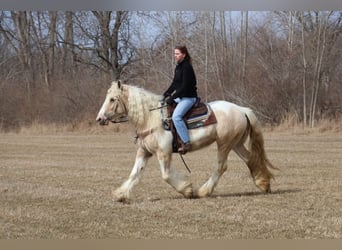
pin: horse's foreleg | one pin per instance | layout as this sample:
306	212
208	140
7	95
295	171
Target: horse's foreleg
207	188
124	191
177	180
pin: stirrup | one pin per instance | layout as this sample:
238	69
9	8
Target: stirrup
185	148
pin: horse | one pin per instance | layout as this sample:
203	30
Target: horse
236	125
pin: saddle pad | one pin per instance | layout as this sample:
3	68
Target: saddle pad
198	110
204	116
198	116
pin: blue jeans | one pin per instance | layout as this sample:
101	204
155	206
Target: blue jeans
183	106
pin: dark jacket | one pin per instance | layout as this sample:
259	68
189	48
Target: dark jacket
184	81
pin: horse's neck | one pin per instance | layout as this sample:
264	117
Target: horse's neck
139	105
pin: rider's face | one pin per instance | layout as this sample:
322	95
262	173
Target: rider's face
178	56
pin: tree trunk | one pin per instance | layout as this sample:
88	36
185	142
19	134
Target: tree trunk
225	57
244	45
68	46
103	18
206	60
304	71
114	42
109	47
320	51
22	25
217	59
51	51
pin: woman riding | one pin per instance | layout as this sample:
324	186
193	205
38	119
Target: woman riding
183	92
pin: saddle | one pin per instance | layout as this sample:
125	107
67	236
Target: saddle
200	115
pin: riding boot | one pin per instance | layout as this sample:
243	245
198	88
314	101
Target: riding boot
184	148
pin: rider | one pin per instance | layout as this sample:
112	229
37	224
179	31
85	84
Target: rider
183	92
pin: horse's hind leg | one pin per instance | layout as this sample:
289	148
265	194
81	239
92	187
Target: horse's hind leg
260	174
207	188
242	152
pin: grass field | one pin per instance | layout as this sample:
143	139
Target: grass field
59	187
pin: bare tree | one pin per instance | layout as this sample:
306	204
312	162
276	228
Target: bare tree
304	71
22	23
68	46
244	41
51	51
109	38
320	51
216	50
45	44
287	62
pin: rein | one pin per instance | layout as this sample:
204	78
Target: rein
163	106
181	156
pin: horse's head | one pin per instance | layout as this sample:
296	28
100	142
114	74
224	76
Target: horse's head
114	107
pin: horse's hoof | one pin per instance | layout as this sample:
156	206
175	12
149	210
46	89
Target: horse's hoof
202	193
120	198
264	186
188	193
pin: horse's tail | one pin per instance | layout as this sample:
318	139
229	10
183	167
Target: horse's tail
258	162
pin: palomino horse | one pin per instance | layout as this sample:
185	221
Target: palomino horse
234	126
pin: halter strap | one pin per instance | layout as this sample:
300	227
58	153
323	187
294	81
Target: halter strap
121	102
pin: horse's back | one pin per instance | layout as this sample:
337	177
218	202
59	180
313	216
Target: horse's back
231	113
229	107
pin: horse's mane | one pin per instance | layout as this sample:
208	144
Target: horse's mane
140	101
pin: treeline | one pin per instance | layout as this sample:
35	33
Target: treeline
55	66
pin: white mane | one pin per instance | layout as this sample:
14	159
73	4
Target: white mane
140	101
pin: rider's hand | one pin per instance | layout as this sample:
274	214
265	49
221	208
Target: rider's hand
164	98
170	101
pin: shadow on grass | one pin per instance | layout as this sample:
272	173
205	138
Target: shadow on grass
257	193
242	194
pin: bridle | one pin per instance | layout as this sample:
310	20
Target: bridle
122	117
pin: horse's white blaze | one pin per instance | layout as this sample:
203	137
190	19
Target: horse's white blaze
101	115
235	125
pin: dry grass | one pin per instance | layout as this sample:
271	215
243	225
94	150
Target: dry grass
291	122
57	186
87	126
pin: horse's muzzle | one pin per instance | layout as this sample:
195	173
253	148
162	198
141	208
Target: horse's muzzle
102	121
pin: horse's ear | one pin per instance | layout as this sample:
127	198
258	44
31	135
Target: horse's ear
120	84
